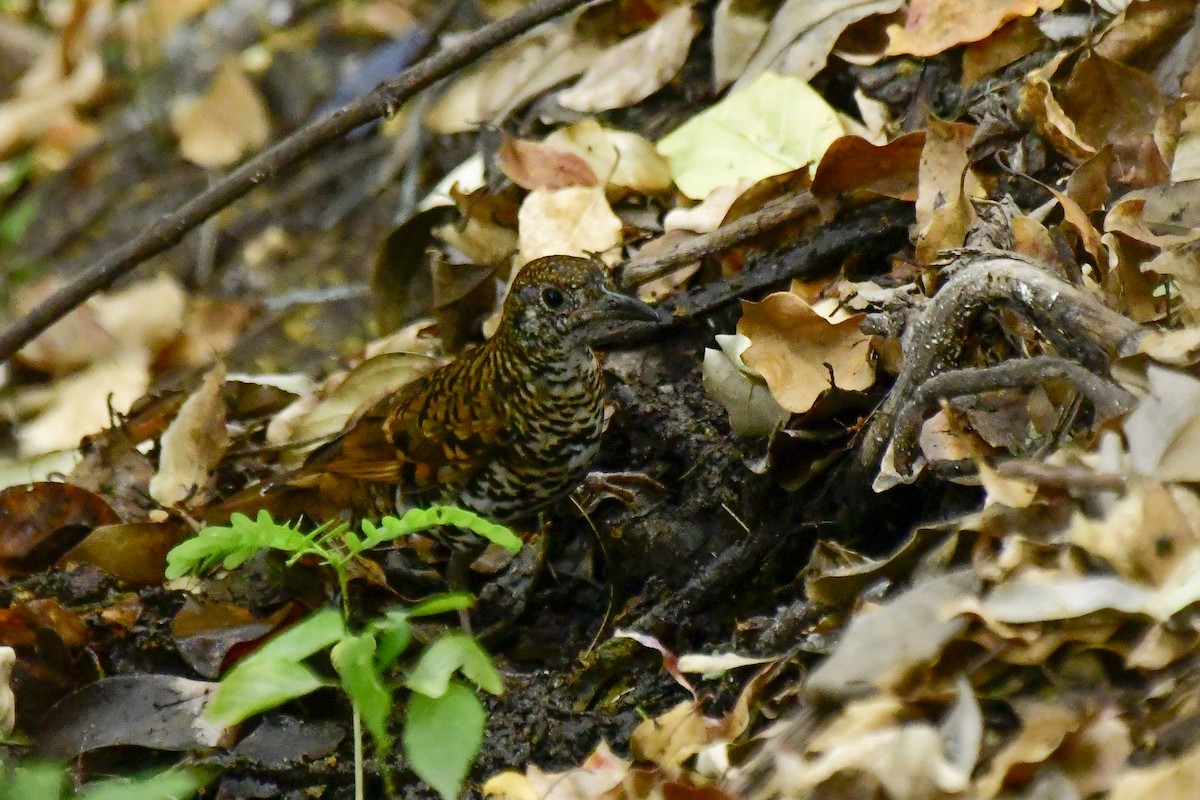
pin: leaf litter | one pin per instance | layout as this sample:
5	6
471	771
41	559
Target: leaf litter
1040	642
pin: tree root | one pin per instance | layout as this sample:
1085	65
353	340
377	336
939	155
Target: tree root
1086	335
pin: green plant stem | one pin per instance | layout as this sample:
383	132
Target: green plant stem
359	779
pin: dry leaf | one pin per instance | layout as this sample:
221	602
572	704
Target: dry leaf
883	646
225	123
753	410
193	443
539	165
738	28
538	61
1164	430
944	212
933	26
803	33
81	403
636	67
620	158
795	349
574	222
1169	779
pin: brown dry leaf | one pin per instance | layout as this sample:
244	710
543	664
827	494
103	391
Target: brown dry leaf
900	761
1178	348
68	73
145	316
622	159
1169	779
538	61
795	349
852	164
636	67
944	211
803	33
933	26
1078	219
1111	103
1044	727
1185	166
39	511
575	221
1011	492
193	443
538	165
225	123
1012	41
1088	184
1030	238
1039	104
671	738
134	553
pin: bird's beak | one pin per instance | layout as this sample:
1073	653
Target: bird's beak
621	307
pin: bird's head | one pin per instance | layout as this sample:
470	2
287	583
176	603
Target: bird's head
567	301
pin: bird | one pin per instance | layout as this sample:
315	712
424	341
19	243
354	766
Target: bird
504	430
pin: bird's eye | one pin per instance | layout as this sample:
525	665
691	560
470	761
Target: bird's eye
551	297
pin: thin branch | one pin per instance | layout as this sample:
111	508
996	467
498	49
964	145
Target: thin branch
168	230
775	213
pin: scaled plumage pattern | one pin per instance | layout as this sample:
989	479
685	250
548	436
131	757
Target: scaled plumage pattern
504	429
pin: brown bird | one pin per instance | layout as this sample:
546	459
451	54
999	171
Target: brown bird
505	429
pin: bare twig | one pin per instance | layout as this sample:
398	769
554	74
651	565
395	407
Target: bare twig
772	215
169	229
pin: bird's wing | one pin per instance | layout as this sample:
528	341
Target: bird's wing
437	431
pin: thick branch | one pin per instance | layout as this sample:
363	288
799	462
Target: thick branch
169	229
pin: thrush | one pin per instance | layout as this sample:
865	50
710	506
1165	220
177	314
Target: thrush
505	429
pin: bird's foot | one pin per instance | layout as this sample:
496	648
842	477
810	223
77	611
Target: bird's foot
625	487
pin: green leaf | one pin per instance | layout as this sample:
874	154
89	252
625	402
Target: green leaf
35	781
354	660
420	519
440	604
310	635
774	125
442	736
16	221
172	784
233	544
448	655
393	633
258	684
